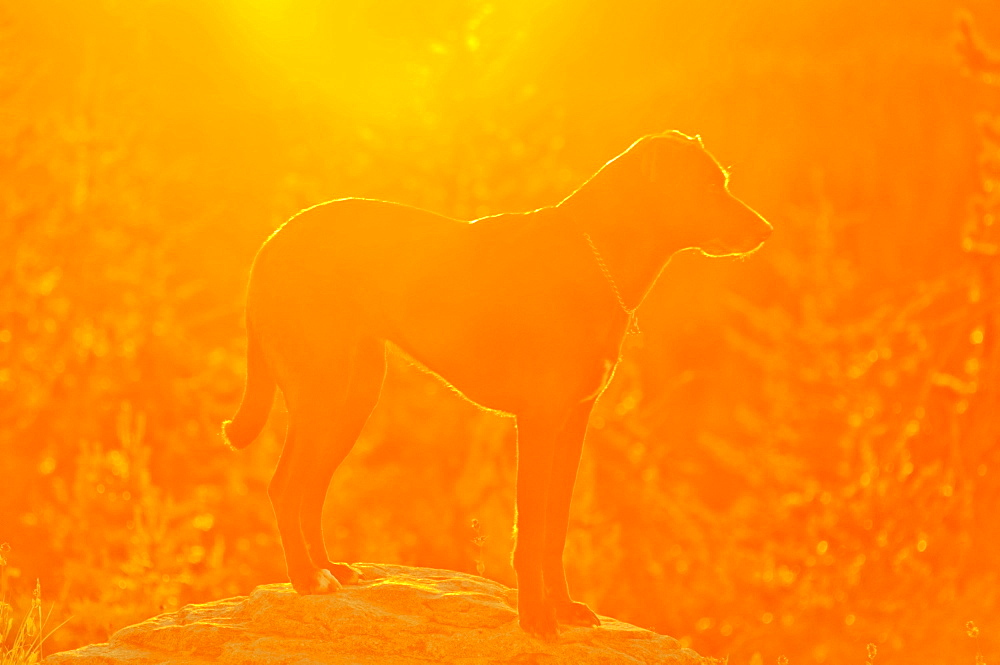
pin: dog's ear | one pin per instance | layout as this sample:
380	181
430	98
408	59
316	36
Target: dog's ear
653	158
654	150
650	158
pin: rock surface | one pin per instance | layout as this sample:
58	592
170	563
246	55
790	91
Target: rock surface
396	615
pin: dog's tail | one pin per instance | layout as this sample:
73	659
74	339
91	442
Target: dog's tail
258	396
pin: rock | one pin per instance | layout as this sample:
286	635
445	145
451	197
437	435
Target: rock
396	615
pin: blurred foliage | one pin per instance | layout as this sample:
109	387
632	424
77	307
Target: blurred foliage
798	457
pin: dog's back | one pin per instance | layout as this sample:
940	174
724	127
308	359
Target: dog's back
490	298
369	249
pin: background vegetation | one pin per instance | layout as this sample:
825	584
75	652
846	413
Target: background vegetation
800	454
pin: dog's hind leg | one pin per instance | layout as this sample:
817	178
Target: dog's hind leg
316	384
286	498
565	462
365	384
313	424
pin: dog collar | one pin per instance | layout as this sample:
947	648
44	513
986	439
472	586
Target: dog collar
633	323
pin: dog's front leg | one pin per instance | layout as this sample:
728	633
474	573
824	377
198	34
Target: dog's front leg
536	435
566	461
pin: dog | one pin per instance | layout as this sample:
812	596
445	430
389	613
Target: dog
522	313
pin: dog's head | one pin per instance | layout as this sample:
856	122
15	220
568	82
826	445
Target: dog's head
688	189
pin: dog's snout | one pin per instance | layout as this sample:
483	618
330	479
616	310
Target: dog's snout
762	229
766	230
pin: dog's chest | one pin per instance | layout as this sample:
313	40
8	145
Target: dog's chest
605	371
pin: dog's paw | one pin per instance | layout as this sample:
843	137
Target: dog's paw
344	573
538	619
575	614
319	581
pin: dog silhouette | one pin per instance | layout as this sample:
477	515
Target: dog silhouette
522	313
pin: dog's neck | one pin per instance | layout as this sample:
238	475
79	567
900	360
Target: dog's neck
632	260
633	325
607	274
